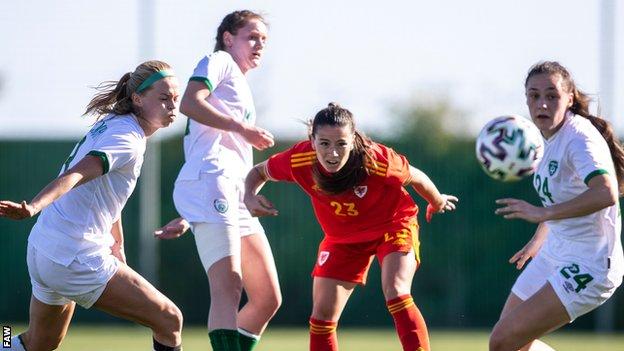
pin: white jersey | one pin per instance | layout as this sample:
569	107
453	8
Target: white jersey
572	156
212	150
77	226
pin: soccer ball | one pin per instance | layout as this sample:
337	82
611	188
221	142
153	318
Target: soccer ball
509	148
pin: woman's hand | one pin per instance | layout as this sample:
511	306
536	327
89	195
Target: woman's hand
448	204
514	208
259	138
259	206
528	251
17	211
118	251
173	229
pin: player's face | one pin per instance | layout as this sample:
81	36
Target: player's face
548	102
159	105
247	46
333	144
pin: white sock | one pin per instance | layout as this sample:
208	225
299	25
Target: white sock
16	344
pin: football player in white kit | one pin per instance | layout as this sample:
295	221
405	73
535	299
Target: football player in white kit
576	252
209	189
76	248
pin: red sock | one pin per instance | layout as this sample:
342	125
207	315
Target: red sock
409	323
323	335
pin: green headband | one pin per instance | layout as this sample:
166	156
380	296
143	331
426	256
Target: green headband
156	76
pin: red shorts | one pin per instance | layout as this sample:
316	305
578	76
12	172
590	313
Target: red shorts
350	261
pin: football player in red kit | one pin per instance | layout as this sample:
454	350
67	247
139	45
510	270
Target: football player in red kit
357	188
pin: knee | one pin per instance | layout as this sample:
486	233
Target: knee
324	313
273	302
171	320
395	290
265	304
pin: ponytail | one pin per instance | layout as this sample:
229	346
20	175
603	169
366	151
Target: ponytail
580	106
615	148
116	96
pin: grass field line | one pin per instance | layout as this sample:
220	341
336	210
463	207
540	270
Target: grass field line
130	338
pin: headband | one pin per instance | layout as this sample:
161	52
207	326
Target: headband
156	76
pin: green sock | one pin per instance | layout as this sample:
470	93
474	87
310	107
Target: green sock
247	340
224	340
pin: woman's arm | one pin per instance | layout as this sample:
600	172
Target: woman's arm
118	247
258	205
531	248
437	203
601	193
195	106
175	228
88	168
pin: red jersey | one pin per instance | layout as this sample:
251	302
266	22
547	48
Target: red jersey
379	205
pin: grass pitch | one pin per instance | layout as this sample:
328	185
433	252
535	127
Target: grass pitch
131	338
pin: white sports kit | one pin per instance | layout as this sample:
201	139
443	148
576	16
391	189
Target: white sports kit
582	256
210	186
69	255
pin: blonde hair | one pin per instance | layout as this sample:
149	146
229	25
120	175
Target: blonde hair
116	96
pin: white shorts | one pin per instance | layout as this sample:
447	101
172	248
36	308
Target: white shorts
579	288
214	207
215	199
55	284
215	241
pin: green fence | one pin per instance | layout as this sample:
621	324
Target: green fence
463	281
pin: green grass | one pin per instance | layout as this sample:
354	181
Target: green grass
104	337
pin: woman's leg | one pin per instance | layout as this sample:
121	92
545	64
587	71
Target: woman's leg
329	297
130	296
219	248
524	321
226	288
47	326
261	286
397	272
536	345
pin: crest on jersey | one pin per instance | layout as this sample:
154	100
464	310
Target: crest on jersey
322	257
360	191
221	205
552	167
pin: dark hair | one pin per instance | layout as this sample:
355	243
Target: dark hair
354	171
232	23
116	96
580	106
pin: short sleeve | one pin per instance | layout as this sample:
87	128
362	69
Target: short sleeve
279	166
117	148
589	155
212	69
397	166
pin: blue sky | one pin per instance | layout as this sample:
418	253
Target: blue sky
370	56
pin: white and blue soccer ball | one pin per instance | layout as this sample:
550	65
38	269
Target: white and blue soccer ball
509	148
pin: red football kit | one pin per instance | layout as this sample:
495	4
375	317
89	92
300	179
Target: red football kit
377	217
